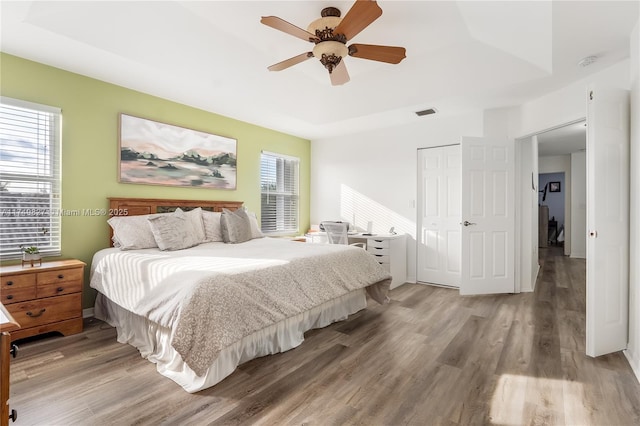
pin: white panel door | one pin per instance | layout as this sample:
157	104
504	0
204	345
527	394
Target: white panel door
439	215
488	216
607	220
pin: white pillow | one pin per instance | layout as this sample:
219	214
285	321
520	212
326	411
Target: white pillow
132	232
173	231
194	222
211	222
235	225
256	232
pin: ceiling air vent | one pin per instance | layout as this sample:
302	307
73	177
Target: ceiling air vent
426	112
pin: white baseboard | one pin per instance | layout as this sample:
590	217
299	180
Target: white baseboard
634	363
87	313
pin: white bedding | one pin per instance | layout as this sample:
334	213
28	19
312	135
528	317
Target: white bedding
142	287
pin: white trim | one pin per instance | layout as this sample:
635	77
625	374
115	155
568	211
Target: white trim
285	156
87	313
634	363
559	126
29	105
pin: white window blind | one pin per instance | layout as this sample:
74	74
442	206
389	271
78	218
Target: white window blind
29	177
279	188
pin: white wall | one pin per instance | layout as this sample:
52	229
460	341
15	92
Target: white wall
564	105
527	222
559	164
373	176
633	351
578	205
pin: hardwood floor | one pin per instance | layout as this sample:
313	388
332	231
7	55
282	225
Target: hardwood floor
429	357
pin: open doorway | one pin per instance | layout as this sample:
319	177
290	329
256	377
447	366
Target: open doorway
558	150
551	212
562	186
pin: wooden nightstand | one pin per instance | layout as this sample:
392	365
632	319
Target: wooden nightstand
44	298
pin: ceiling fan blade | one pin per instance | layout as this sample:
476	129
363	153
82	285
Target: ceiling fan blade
290	62
286	27
389	54
340	75
361	14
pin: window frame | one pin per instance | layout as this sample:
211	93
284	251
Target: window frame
295	195
44	174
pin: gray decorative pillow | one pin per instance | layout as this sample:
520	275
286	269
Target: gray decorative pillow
132	232
194	222
211	222
236	226
256	232
172	231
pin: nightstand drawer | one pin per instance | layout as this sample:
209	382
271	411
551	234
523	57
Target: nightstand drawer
18	280
19	294
380	258
48	310
57	289
371	242
377	250
386	266
59	276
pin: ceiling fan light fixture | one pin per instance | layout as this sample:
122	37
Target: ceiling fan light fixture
330	53
323	27
330	34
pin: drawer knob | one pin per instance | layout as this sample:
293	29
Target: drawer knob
32	315
59	289
10	296
14	350
60	276
9	282
13	416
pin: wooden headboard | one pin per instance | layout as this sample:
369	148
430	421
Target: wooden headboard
140	206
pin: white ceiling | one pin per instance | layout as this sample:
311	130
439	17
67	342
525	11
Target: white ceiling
213	55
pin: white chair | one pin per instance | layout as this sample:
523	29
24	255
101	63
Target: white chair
337	234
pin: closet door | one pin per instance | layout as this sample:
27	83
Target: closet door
488	216
439	216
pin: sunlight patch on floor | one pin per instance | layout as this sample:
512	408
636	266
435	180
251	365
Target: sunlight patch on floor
513	401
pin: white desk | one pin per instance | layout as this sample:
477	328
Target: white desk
390	250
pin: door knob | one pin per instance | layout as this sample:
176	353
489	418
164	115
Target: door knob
467	223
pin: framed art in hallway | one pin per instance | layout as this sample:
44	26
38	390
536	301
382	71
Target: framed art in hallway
554	186
154	153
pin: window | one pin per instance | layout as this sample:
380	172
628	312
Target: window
29	177
279	187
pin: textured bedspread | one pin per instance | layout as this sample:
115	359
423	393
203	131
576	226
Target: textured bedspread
213	295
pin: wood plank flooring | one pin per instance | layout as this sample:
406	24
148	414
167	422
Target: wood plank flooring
431	357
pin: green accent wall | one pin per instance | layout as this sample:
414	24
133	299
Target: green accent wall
90	110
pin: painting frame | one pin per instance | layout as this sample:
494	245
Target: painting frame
554	187
156	153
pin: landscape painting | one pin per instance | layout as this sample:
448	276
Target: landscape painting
153	153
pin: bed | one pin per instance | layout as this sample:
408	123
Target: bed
199	311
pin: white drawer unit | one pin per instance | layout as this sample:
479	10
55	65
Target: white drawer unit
391	252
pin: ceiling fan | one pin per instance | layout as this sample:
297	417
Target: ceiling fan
330	34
